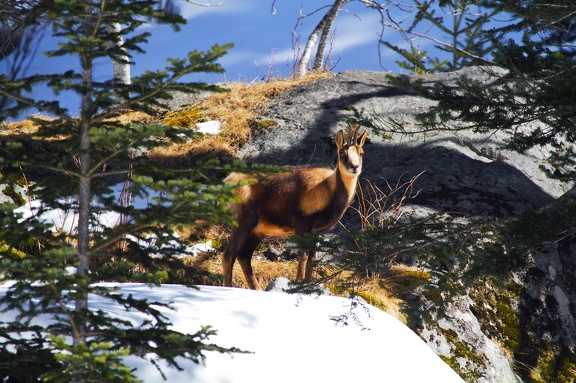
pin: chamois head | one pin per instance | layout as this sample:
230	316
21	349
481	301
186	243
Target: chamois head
350	151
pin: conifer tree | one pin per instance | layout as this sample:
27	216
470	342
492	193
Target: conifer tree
531	98
73	164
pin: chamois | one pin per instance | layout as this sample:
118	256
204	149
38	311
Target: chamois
302	201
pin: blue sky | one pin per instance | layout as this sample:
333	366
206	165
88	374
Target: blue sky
263	42
263	39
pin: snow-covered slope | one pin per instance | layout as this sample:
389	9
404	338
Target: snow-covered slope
293	338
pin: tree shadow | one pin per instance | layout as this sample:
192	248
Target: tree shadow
309	117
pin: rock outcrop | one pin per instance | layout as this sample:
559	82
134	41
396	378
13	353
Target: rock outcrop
460	171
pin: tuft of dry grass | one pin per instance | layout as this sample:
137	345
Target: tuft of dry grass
29	126
239	109
24	128
376	292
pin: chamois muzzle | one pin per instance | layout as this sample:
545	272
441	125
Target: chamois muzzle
350	149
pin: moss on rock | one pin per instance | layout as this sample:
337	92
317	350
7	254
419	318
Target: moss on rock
183	118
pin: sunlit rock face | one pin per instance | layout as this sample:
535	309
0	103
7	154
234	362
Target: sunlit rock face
472	174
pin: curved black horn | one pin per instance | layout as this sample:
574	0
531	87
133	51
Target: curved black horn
353	133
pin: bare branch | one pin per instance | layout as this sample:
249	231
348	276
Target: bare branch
207	3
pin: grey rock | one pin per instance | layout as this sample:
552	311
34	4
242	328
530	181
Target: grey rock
458	171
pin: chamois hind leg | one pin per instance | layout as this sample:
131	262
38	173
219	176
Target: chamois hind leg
236	241
306	260
245	260
305	265
228	259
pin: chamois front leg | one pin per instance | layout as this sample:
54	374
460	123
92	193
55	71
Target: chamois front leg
310	263
301	269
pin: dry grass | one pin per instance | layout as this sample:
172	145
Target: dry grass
24	128
241	106
376	292
239	109
265	271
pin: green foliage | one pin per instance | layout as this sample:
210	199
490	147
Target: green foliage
85	158
94	362
536	89
415	60
530	97
554	365
497	312
461	351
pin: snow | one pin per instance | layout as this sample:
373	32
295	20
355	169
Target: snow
209	127
293	338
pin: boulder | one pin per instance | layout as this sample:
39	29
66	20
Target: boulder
470	173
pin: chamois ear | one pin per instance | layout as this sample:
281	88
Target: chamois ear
340	139
362	138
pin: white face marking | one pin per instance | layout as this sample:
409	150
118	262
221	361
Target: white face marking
353	157
353	161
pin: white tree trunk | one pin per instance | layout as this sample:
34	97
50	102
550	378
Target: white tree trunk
323	28
121	62
307	53
330	18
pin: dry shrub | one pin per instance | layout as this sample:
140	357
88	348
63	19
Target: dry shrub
376	292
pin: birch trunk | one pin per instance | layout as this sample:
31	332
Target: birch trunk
120	63
307	53
323	28
330	18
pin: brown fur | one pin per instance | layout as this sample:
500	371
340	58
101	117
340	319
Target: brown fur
302	201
